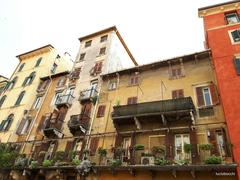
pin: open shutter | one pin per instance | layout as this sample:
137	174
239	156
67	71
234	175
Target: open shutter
214	94
94	145
2	124
169	141
21	125
99	68
54	149
69	147
193	141
213	141
9	123
174	94
226	145
41	124
180	93
200	99
237	65
25	81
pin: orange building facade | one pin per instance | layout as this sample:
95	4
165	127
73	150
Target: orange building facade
222	34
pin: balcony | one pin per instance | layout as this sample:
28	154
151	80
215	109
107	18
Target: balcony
167	110
64	100
88	95
78	124
52	128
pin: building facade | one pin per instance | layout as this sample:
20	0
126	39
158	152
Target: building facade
3	83
17	98
222	27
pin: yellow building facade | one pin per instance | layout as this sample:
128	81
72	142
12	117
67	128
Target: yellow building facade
3	83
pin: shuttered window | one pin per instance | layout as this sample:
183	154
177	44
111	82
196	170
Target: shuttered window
97	67
102	51
6	124
21	67
104	38
2	100
101	111
207	95
88	43
177	94
237	65
132	100
82	56
94	145
19	99
28	80
86	109
134	80
38	62
76	73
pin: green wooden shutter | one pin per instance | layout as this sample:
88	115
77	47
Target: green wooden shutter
2	124
25	81
20	97
200	99
237	65
235	35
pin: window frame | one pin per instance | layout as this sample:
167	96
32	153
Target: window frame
103	38
102	51
21	67
231	36
88	43
210	96
20	98
82	57
38	62
229	14
37	102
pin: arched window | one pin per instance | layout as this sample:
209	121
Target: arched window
12	83
38	62
19	99
28	80
5	125
21	67
2	100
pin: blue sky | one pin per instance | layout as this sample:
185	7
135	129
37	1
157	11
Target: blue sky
153	30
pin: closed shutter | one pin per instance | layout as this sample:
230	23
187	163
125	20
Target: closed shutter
180	93
25	81
169	141
101	111
237	65
99	67
41	125
94	145
132	100
9	123
21	125
174	94
2	125
214	94
40	86
200	99
193	141
69	148
213	141
226	145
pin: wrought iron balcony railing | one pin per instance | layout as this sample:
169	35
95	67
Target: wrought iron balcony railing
153	108
88	94
79	123
64	100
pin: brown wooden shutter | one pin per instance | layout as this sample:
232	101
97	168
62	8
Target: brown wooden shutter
134	100
174	94
226	145
86	109
214	94
200	99
129	101
20	127
193	141
169	141
94	145
181	93
101	111
69	147
213	141
41	123
99	68
40	85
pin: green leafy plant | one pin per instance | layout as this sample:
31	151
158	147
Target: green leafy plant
158	150
118	152
139	147
160	162
116	163
72	154
33	164
147	154
187	148
118	102
21	161
102	152
206	147
47	163
76	162
182	162
59	156
86	151
213	160
8	155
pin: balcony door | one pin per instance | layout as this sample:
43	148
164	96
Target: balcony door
180	140
221	143
126	145
94	85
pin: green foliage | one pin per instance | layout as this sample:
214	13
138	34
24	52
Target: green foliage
86	151
187	148
213	160
59	163
118	102
139	147
59	156
182	162
147	154
33	164
102	152
76	162
47	163
206	147
118	151
116	163
158	150
21	161
73	154
7	155
160	162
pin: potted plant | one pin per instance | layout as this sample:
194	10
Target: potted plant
33	164
160	162
21	161
76	162
206	148
102	154
187	149
47	163
213	160
116	163
158	151
138	147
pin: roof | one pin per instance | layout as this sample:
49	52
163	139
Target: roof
43	47
219	4
200	55
112	28
55	75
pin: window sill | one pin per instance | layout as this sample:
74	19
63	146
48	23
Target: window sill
176	77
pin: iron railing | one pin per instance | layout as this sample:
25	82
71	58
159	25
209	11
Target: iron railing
88	94
64	99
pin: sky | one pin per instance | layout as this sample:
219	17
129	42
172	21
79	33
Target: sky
152	29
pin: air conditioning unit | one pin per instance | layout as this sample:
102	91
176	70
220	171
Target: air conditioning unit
147	160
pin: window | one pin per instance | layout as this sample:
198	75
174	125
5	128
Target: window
37	102
70	91
54	67
232	18
235	35
132	100
237	65
104	38
11	84
21	67
43	85
61	82
101	111
57	95
2	100
94	145
177	94
23	126
176	72
28	80
102	51
180	140
134	80
207	95
50	151
97	68
112	85
38	62
19	99
206	112
82	56
88	43
76	72
5	125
